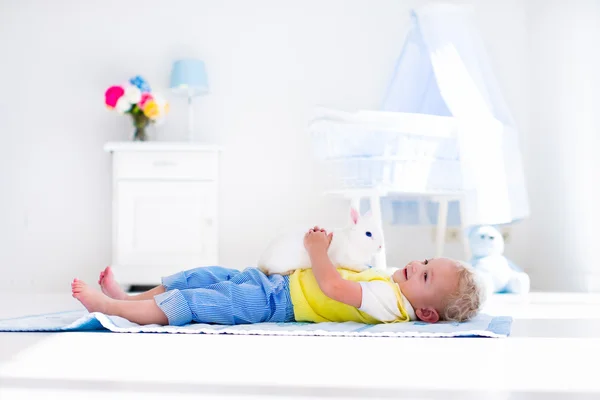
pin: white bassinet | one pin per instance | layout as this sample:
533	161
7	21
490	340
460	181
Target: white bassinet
370	154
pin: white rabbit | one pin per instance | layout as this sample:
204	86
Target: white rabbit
351	247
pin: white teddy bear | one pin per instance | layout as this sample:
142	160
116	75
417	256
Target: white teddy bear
498	273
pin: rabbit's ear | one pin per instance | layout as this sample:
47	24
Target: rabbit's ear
354	215
368	214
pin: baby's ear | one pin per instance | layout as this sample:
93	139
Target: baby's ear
354	215
428	314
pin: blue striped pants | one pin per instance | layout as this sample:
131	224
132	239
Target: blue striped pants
217	295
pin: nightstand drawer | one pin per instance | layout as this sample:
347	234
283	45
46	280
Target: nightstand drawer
166	165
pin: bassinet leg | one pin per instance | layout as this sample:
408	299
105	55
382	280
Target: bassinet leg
380	258
463	233
441	227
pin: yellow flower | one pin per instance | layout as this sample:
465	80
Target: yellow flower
151	109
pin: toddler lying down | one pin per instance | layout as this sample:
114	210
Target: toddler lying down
430	290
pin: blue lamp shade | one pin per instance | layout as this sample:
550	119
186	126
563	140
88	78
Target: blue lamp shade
189	77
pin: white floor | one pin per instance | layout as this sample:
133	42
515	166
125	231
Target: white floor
552	353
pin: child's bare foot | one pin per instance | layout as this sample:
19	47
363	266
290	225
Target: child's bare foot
109	285
91	299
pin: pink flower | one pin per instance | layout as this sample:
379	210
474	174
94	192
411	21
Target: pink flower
112	95
145	98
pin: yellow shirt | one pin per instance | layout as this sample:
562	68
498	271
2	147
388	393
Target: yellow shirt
311	304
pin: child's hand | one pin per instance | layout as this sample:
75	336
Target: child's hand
317	240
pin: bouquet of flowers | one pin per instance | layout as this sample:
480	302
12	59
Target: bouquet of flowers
137	99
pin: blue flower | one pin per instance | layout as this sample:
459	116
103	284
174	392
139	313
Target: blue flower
140	83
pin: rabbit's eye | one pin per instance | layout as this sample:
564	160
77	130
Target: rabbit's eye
369	234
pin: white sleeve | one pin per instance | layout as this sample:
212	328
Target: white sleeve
379	301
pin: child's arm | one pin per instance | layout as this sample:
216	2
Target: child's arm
330	282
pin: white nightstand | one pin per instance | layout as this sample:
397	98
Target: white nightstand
165	200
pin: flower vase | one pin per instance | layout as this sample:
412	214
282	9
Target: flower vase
140	121
139	135
135	98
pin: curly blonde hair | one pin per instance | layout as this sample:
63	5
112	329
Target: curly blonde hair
464	303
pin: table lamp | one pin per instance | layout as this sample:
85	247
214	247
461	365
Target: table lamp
188	77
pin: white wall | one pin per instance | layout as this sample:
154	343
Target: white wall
269	63
564	144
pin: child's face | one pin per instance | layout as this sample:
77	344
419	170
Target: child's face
426	285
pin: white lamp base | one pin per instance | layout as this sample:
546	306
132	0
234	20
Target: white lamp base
190	133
